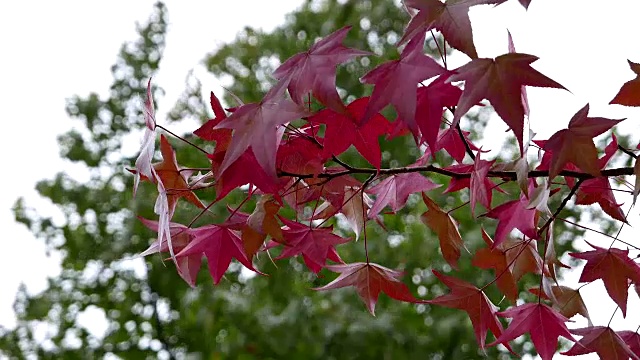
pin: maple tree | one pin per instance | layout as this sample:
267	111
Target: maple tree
288	152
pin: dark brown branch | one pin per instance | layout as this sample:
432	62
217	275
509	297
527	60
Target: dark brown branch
467	147
507	175
627	151
562	206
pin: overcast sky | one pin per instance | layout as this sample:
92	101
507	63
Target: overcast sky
53	50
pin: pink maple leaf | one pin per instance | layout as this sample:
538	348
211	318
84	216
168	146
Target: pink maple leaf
256	125
395	82
315	244
369	280
543	323
315	70
220	245
395	190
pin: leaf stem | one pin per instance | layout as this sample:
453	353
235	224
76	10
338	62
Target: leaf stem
183	139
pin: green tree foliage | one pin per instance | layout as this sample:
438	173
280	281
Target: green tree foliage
153	313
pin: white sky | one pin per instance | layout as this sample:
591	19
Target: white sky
53	50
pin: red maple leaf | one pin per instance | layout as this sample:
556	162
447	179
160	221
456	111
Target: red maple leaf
395	190
449	139
450	18
332	190
543	323
629	94
395	83
614	267
301	153
345	129
601	340
575	144
459	183
245	170
222	137
514	214
632	339
500	81
599	190
315	244
431	101
256	125
220	245
469	298
370	279
315	70
480	192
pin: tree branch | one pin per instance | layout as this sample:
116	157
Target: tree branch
506	175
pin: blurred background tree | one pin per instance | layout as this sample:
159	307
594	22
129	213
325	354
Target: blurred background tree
149	311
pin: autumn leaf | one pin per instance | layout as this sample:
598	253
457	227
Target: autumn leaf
262	222
431	101
301	152
566	300
543	323
354	205
459	183
245	170
496	258
601	340
550	258
511	215
469	298
220	245
575	144
395	191
447	230
450	18
614	267
315	244
315	70
255	125
222	137
345	129
632	339
480	193
629	93
370	279
510	260
173	177
187	266
449	139
143	162
395	83
500	81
